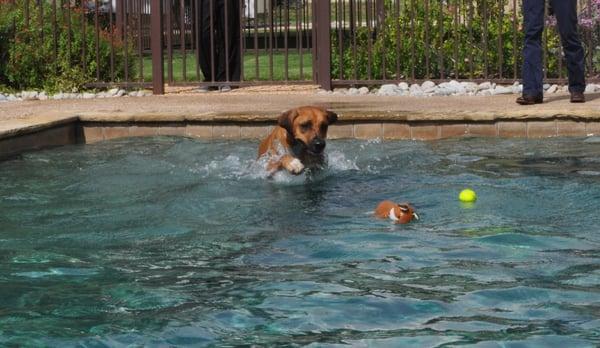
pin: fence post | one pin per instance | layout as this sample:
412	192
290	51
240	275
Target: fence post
322	25
380	8
120	17
156	44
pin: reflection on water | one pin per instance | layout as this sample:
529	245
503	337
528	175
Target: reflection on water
176	242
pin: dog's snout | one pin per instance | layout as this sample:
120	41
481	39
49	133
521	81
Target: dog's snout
318	145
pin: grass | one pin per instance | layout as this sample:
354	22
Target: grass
250	65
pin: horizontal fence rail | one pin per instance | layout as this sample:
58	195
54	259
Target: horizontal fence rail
211	43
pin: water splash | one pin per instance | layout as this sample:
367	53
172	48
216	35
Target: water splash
338	162
234	167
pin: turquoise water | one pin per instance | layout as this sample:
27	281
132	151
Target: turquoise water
176	242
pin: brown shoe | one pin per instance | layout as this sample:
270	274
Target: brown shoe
577	97
530	99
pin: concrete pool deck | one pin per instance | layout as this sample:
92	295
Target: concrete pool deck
251	112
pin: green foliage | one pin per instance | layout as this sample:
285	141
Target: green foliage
428	42
32	59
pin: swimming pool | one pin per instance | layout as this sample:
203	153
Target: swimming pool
171	241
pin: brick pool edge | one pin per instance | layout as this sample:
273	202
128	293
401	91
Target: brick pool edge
74	130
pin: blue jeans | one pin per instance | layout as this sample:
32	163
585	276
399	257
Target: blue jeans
566	16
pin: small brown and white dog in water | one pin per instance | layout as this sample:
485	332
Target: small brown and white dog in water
298	141
401	213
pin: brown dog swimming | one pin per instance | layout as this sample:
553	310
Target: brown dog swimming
401	213
298	141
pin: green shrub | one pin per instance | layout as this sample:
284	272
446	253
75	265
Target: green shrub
32	60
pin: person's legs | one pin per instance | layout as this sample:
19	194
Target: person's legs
566	16
233	24
219	23
533	13
205	50
228	33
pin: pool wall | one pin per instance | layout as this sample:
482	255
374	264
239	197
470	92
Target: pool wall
76	131
14	141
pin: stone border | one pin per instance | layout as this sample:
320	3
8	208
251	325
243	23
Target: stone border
75	131
425	89
42	95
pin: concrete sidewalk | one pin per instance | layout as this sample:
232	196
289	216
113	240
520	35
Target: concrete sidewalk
264	104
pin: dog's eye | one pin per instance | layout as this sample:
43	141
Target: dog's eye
306	126
324	127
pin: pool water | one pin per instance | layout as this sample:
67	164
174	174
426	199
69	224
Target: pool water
179	242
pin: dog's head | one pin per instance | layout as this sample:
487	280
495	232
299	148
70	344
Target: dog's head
308	125
403	213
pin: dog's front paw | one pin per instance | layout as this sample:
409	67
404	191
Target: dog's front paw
295	166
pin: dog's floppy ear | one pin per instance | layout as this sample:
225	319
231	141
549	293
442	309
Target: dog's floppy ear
332	117
286	120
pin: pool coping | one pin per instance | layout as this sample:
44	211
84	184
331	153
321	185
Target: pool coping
33	125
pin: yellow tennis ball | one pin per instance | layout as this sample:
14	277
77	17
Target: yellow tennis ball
467	196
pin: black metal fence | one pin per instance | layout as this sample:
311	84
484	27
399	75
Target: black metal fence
328	42
378	41
274	39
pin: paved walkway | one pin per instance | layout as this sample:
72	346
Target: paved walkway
265	103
